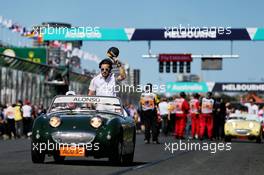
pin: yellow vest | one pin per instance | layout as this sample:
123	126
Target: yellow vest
18	115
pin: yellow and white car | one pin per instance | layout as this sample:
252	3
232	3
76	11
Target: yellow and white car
243	126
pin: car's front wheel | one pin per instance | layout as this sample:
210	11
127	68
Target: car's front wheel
116	156
36	155
57	158
227	139
258	139
128	159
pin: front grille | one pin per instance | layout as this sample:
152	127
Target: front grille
243	131
73	137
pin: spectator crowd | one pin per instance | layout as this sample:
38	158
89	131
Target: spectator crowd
16	119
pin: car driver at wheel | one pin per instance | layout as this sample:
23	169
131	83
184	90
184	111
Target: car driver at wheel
71	105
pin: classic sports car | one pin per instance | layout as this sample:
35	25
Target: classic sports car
243	126
84	126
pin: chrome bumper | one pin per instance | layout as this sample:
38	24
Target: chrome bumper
73	137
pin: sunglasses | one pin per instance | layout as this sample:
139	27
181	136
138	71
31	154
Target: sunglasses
103	69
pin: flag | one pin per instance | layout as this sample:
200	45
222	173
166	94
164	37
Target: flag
69	46
9	23
5	22
15	28
23	31
63	47
56	44
40	39
30	34
66	47
1	20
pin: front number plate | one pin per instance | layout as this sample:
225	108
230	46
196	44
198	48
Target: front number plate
72	151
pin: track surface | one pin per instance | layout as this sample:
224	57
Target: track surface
244	158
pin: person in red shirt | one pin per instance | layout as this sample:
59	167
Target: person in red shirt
181	109
206	118
194	113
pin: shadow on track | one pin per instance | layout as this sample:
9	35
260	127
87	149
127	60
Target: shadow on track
244	141
94	163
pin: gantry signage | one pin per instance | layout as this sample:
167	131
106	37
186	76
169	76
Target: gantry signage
201	87
136	34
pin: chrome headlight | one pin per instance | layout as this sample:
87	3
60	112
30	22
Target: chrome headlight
96	122
251	125
55	121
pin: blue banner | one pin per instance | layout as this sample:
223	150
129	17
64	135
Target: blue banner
176	87
86	34
132	34
195	34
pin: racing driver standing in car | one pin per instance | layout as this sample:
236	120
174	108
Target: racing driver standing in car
104	83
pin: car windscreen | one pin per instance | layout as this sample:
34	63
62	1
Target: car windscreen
77	103
248	117
236	118
253	118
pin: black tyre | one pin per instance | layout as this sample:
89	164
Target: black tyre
227	139
258	139
116	157
36	155
128	159
57	158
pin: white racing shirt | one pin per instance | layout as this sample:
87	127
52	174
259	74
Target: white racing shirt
252	109
102	86
27	111
163	108
207	105
10	112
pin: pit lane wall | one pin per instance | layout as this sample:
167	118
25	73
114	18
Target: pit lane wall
26	80
22	85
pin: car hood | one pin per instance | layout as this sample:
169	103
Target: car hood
244	124
83	114
79	121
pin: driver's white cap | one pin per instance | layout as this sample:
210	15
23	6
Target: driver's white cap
70	93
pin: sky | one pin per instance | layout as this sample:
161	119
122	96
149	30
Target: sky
249	67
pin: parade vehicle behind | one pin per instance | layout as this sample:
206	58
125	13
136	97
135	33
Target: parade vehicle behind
244	126
82	126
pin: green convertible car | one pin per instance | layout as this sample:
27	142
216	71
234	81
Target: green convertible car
82	126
